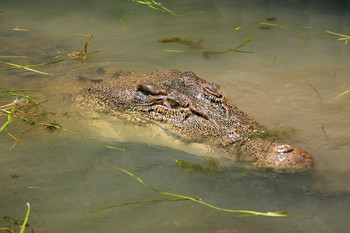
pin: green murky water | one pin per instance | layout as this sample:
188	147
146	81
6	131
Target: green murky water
271	83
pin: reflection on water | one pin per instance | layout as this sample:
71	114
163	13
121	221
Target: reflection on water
292	70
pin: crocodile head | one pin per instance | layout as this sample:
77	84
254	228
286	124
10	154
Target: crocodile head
194	108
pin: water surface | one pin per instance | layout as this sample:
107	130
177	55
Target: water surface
274	82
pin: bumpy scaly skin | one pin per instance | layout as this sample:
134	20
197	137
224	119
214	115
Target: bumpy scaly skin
194	108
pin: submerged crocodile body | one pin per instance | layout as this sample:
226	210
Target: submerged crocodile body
194	108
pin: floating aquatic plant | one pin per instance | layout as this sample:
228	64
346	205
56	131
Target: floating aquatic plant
340	95
273	24
341	36
155	6
71	56
25	219
22	105
248	212
274	19
26	68
151	4
17	28
16	223
132	203
189	42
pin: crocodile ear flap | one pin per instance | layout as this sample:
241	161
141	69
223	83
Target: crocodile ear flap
213	89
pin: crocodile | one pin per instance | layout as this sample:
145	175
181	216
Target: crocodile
193	108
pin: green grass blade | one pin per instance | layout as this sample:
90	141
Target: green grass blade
340	95
343	37
41	64
163	8
299	25
273	24
336	34
10	118
26	219
250	213
175	51
236	48
13	56
156	6
37	71
131	203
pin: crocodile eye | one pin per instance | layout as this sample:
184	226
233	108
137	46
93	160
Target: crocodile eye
173	103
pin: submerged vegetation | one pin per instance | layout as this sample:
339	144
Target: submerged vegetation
187	41
24	106
213	166
275	133
16	223
247	213
71	56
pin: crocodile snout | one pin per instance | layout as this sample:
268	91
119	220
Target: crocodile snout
285	156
